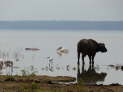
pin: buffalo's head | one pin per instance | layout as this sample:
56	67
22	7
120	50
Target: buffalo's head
101	47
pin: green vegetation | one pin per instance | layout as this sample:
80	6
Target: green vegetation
34	83
12	86
37	87
30	72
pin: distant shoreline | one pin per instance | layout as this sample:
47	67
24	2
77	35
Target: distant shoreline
61	25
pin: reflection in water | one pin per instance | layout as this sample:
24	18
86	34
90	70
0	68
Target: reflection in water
116	67
8	65
90	76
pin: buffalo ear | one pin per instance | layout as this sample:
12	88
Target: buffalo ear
101	44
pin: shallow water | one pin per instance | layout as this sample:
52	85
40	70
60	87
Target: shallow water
14	42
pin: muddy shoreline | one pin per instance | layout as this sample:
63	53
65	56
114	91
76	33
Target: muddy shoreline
51	84
37	79
46	87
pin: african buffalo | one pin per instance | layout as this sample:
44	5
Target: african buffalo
89	47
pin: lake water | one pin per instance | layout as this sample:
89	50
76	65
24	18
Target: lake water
14	42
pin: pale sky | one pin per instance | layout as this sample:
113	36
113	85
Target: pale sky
61	10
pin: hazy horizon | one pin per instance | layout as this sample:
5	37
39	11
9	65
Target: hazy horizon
62	25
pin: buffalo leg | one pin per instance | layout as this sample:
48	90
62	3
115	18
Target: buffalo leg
93	58
83	68
89	58
78	59
83	56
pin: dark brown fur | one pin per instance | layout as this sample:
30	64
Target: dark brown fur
89	47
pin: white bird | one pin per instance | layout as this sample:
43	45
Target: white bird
50	59
61	51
